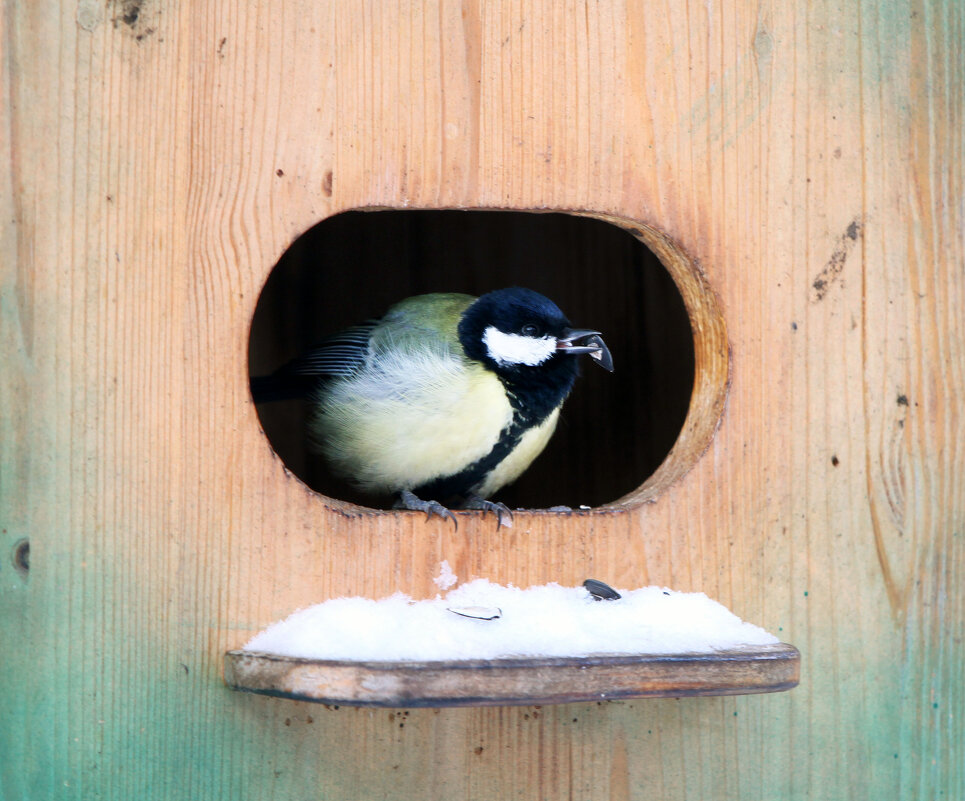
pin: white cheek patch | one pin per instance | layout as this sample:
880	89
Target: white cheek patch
506	348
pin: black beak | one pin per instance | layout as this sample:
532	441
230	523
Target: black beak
579	340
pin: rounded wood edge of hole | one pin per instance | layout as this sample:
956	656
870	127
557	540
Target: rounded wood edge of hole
711	358
711	361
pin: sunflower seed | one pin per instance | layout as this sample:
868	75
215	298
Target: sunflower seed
477	612
601	591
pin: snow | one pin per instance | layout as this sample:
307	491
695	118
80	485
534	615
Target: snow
446	577
547	620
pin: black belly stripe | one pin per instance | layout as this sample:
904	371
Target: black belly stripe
461	483
533	398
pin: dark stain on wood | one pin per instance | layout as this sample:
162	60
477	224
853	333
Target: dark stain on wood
835	266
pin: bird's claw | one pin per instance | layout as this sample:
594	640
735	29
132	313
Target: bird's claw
504	517
411	501
436	508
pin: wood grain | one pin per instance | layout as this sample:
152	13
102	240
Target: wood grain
161	158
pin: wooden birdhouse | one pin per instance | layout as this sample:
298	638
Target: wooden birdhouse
760	207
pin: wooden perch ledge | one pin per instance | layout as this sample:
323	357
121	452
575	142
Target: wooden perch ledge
515	682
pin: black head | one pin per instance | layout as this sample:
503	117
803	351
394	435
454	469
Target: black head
512	330
525	339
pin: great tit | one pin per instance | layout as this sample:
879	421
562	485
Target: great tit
444	400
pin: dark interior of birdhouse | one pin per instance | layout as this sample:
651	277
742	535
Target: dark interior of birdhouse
615	429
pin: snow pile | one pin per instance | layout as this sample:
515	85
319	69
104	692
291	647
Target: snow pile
546	620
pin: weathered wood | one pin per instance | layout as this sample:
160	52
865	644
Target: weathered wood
159	158
517	682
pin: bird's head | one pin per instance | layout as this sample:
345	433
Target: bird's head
518	334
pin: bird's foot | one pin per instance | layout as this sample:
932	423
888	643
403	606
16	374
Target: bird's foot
409	500
504	517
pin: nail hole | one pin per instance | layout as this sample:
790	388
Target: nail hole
21	557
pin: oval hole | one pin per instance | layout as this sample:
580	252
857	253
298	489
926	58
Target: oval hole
616	429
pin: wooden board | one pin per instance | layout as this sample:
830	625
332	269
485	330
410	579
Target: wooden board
504	682
158	160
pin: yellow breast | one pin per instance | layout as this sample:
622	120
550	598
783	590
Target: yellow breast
417	418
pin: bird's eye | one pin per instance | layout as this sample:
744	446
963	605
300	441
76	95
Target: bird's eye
529	330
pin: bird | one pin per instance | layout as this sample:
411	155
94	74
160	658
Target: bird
442	401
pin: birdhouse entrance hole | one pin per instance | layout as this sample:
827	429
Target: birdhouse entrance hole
622	437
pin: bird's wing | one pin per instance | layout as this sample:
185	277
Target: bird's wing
337	355
424	323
